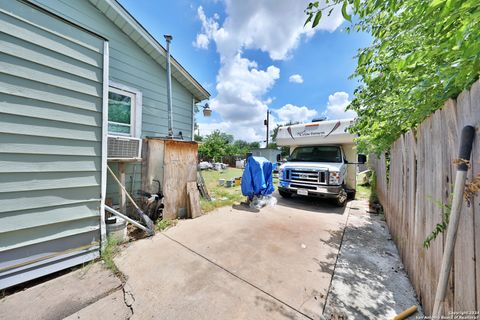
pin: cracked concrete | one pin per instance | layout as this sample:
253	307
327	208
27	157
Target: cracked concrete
62	296
128	298
233	264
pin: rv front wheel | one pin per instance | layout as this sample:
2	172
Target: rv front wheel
341	200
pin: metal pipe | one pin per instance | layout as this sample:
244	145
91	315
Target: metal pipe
121	215
267	123
169	38
193	119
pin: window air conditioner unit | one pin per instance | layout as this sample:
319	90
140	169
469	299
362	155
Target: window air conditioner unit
124	148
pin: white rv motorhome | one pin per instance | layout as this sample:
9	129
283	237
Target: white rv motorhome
322	161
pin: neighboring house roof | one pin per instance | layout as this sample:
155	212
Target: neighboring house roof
131	27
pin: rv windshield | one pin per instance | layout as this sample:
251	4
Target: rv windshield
317	154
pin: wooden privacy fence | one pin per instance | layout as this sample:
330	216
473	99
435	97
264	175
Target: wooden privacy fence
419	179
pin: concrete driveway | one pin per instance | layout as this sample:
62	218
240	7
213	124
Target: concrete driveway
237	264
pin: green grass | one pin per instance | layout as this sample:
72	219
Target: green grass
109	252
367	191
165	224
363	192
222	195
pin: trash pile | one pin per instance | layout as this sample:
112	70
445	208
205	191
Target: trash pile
228	183
257	182
205	165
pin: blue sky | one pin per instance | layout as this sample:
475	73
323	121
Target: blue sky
245	52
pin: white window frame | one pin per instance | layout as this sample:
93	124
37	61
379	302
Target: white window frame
136	113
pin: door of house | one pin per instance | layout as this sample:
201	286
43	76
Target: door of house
51	129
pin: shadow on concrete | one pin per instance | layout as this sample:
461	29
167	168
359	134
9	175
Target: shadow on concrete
244	207
325	206
369	279
272	306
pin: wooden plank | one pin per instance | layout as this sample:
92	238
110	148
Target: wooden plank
475	106
121	193
438	158
420	217
180	166
193	200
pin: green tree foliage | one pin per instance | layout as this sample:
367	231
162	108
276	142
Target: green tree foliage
219	144
285	149
214	146
254	145
423	52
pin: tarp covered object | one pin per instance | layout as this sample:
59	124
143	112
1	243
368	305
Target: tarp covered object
257	177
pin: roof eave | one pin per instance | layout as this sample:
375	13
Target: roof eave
123	19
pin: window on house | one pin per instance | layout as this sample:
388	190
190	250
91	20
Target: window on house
122	112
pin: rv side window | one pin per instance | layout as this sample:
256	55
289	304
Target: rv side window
317	154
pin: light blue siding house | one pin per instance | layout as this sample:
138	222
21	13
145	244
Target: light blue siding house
80	81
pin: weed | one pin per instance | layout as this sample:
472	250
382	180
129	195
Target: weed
439	227
164	224
109	252
373	188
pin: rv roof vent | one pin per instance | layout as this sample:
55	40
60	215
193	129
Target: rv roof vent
124	148
322	118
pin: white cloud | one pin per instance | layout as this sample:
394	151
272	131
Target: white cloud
248	134
240	87
209	28
295	78
290	112
272	26
336	105
201	41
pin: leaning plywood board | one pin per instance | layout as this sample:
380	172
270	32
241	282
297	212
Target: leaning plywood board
180	166
193	200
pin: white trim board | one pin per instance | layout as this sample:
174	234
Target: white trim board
106	61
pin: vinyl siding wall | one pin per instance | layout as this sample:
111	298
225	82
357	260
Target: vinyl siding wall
51	91
132	67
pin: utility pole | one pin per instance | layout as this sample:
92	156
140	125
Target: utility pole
267	123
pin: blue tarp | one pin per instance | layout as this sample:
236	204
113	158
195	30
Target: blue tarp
257	177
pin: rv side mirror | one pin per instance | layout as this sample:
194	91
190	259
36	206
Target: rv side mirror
279	157
362	158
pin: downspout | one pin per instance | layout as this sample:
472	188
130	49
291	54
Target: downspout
193	119
169	38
